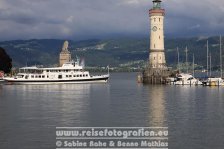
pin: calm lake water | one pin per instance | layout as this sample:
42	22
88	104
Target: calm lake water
29	114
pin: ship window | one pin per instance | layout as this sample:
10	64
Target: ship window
59	76
47	76
32	76
159	19
70	76
66	76
43	76
36	76
39	76
20	76
86	75
47	70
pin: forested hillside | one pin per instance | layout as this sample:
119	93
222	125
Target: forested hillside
129	52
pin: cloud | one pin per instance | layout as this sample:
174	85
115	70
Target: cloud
195	27
84	19
202	18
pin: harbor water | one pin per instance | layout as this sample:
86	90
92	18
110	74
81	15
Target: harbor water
29	114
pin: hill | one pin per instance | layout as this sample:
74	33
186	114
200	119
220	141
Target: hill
124	52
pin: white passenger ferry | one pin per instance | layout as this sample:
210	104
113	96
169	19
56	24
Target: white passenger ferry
70	72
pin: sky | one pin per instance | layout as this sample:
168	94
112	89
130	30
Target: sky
88	19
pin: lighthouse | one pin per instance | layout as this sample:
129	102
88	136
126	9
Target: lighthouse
157	53
156	71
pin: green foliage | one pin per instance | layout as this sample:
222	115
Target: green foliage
113	52
5	61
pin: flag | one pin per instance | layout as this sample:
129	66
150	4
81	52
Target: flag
83	62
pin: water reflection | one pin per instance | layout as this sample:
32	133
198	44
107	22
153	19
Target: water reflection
157	106
29	114
0	89
65	104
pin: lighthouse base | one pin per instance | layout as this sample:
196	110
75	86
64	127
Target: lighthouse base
156	75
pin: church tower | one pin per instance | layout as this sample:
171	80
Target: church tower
65	55
157	54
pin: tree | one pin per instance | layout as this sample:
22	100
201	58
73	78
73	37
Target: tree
5	61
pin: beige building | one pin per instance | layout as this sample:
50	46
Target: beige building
65	55
157	54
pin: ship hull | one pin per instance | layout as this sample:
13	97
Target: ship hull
72	81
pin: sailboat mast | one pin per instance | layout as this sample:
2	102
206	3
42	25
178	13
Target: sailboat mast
193	64
178	59
221	55
207	58
187	59
210	64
